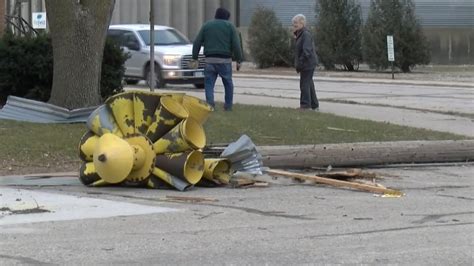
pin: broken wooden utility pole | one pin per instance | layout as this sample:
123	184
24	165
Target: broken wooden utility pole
367	153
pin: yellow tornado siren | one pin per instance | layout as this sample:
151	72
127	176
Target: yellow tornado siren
145	139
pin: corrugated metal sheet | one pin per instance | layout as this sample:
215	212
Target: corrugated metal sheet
284	9
454	13
188	15
185	15
21	109
431	13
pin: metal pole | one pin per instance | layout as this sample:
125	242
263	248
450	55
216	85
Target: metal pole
393	76
237	13
30	10
152	47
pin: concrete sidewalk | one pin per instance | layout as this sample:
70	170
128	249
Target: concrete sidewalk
433	121
362	80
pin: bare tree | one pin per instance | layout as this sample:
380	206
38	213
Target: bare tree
2	16
78	31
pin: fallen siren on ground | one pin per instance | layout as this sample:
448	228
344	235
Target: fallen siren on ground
243	156
153	140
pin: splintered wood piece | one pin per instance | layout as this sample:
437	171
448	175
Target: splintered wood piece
336	183
243	182
351	173
190	199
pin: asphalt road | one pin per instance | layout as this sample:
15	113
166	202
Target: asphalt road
285	223
59	221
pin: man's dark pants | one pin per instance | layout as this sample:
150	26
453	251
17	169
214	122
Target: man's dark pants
225	71
308	98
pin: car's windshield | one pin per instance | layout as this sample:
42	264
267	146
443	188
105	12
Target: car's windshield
164	37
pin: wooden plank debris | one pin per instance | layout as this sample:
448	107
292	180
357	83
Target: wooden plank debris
350	174
189	199
243	182
337	183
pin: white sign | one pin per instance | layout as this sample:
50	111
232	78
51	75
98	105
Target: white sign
38	20
390	50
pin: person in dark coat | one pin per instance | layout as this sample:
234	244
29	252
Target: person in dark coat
305	63
221	43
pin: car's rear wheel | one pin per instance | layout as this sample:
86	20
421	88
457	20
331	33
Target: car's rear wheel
159	82
199	85
131	81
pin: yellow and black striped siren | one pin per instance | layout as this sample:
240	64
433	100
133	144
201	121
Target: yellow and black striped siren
173	181
113	158
167	116
185	136
87	146
102	121
188	166
144	106
145	139
217	170
198	109
122	107
87	174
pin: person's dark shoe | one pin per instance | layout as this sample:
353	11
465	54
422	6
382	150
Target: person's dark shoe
315	109
228	109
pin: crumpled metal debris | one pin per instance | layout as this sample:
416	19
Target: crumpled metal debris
244	156
21	109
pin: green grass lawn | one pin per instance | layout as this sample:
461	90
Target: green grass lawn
27	147
281	126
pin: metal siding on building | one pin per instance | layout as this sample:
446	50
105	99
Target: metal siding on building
452	13
185	15
285	10
431	13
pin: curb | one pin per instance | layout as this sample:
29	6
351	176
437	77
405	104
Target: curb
359	80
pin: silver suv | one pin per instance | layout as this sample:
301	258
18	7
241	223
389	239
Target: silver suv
173	51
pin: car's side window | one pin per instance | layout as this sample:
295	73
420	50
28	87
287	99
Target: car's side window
130	40
115	36
124	38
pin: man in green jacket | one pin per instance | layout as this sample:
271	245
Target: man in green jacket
221	43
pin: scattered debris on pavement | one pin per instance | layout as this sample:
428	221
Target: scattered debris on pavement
245	182
353	173
337	183
189	199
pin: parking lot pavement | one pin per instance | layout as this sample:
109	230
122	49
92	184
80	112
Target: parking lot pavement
285	223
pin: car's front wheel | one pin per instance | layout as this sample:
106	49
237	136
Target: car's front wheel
159	82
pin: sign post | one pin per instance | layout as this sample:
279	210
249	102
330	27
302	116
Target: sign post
151	75
390	51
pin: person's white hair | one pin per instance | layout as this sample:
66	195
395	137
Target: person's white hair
299	18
